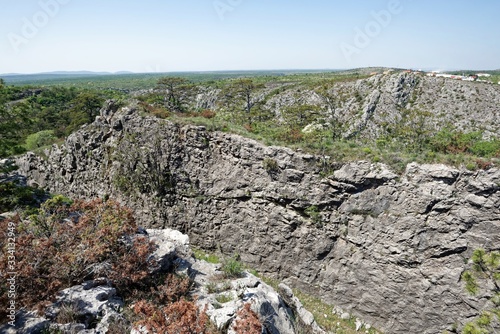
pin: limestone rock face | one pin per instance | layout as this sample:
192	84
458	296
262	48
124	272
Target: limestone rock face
388	248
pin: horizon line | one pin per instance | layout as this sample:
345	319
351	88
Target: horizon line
124	72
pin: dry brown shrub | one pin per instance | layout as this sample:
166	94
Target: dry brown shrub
208	114
155	111
293	135
180	317
65	245
248	322
172	290
248	127
484	164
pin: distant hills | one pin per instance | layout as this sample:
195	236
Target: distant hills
72	73
128	78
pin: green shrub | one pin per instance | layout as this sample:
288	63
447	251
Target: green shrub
452	141
201	255
484	320
40	139
270	165
211	287
486	149
232	268
15	196
224	298
313	213
472	328
470	282
367	150
485	266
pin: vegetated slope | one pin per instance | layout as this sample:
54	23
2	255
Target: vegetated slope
390	248
371	106
395	118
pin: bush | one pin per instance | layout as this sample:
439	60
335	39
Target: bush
232	268
485	266
292	136
180	317
15	196
224	298
486	149
64	245
247	322
201	255
172	290
472	328
40	139
270	165
313	213
451	141
208	114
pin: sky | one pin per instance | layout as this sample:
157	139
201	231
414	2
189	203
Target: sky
211	35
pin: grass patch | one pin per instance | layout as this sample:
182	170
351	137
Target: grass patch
232	268
224	298
202	255
322	312
213	287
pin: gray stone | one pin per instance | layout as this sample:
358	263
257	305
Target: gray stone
95	304
358	324
304	319
171	244
25	323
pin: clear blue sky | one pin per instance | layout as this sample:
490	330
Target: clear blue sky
197	35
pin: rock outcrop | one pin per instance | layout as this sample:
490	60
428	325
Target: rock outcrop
389	248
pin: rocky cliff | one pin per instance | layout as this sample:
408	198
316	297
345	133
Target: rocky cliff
389	248
367	106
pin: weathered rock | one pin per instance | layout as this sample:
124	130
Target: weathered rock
275	315
304	318
90	302
25	323
387	248
171	244
90	308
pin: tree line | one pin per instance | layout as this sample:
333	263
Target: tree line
32	117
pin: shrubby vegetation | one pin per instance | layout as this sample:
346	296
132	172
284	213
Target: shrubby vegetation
247	322
32	117
232	268
40	139
64	243
15	196
484	275
411	137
